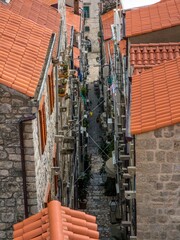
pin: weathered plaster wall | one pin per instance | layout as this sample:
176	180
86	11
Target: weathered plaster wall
158	184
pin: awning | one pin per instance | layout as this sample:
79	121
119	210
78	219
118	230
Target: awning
110	168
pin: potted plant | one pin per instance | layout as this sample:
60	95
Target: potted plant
63	82
84	91
61	91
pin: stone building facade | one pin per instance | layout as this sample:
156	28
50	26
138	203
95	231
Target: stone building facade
15	106
93	23
158	184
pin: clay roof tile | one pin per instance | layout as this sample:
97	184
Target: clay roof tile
57	222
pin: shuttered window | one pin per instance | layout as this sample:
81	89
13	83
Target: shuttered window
51	92
42	123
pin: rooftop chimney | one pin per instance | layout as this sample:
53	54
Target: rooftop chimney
76	7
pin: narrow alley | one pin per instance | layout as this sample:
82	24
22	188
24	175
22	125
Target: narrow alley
98	204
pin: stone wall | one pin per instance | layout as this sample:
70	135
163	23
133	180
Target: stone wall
13	106
158	184
44	162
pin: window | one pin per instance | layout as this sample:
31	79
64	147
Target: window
42	123
51	92
87	29
86	11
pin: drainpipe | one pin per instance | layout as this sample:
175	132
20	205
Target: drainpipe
23	164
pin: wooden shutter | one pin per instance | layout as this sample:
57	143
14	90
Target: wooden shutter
42	118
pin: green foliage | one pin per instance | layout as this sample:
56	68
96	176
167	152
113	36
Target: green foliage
85	122
84	91
83	183
107	148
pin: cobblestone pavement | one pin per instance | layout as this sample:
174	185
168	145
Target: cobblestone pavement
98	204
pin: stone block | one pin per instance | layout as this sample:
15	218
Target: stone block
166	168
7	217
176	168
160	156
10	150
172	186
6	164
2	234
4	173
146	144
172	157
176	145
5	108
150	156
158	133
29	151
165	177
3	154
28	128
10	202
165	144
17	103
16	157
28	143
176	178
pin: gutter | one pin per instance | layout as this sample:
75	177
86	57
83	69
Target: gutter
23	164
49	53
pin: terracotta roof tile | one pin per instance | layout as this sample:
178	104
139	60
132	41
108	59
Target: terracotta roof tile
107	19
21	60
38	12
146	56
155	17
57	222
49	2
76	56
73	19
155	97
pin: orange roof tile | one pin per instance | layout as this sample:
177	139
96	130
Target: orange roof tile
38	12
155	97
23	49
57	223
49	2
109	46
107	19
73	19
146	56
76	56
155	17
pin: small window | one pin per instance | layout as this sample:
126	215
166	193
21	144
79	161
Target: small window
42	124
87	29
51	92
86	12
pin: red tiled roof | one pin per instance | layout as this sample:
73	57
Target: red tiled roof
23	49
146	56
49	2
39	13
109	46
107	19
155	97
57	223
76	55
155	17
73	19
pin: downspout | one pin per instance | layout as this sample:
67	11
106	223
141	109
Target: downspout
23	164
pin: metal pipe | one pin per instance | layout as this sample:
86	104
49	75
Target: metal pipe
21	121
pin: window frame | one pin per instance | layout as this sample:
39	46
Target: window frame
86	12
42	124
